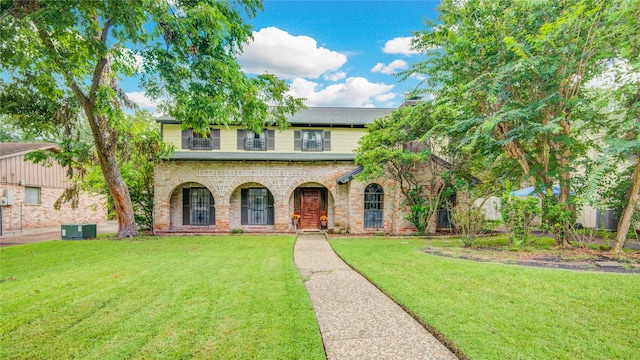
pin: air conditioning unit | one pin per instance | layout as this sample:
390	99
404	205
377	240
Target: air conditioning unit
4	201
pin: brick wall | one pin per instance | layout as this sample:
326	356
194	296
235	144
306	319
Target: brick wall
19	216
225	179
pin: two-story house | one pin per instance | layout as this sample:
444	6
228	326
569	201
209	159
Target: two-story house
234	179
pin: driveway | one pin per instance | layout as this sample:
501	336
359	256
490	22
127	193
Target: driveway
19	237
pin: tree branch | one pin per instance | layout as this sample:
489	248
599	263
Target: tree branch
99	69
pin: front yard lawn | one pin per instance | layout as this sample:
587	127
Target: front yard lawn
499	311
218	297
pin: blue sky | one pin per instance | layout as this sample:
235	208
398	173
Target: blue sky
335	53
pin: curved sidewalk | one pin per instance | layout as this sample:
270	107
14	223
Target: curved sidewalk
358	321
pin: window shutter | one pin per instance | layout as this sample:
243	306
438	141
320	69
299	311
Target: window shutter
212	208
327	141
215	139
241	136
187	134
270	209
271	139
244	207
297	140
186	209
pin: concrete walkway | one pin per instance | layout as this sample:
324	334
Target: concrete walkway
358	321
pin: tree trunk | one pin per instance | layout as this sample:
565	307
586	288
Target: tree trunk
119	192
562	240
627	213
105	148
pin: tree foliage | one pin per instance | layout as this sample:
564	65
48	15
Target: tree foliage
398	147
60	58
141	149
620	67
512	71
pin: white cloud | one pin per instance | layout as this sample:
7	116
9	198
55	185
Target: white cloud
278	52
354	92
391	68
399	45
334	76
142	100
385	97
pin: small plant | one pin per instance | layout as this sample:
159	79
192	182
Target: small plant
518	215
558	220
295	216
324	218
237	231
469	222
489	226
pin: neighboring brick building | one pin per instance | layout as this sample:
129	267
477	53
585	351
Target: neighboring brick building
235	179
28	192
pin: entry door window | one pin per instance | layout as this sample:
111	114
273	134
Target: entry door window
257	207
373	206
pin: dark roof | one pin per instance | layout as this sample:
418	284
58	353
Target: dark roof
338	116
349	176
14	149
260	156
325	116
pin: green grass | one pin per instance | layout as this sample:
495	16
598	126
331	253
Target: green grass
221	297
498	311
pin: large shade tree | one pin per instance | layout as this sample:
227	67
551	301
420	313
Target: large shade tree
59	58
513	71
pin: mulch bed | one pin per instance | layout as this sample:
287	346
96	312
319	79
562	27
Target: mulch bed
574	259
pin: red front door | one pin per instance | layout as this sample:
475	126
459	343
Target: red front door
310	210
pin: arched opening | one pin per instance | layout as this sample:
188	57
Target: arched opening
256	206
373	206
192	204
313	202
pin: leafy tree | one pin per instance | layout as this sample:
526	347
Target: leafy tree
8	132
60	58
513	71
141	148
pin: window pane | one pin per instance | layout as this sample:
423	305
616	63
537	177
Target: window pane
200	206
32	195
259	208
253	141
373	206
312	140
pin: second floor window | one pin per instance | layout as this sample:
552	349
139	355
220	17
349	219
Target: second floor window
249	140
312	140
195	141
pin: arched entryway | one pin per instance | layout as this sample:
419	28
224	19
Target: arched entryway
192	205
252	208
314	203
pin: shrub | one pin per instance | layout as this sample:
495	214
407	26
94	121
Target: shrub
518	215
469	222
490	226
557	220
